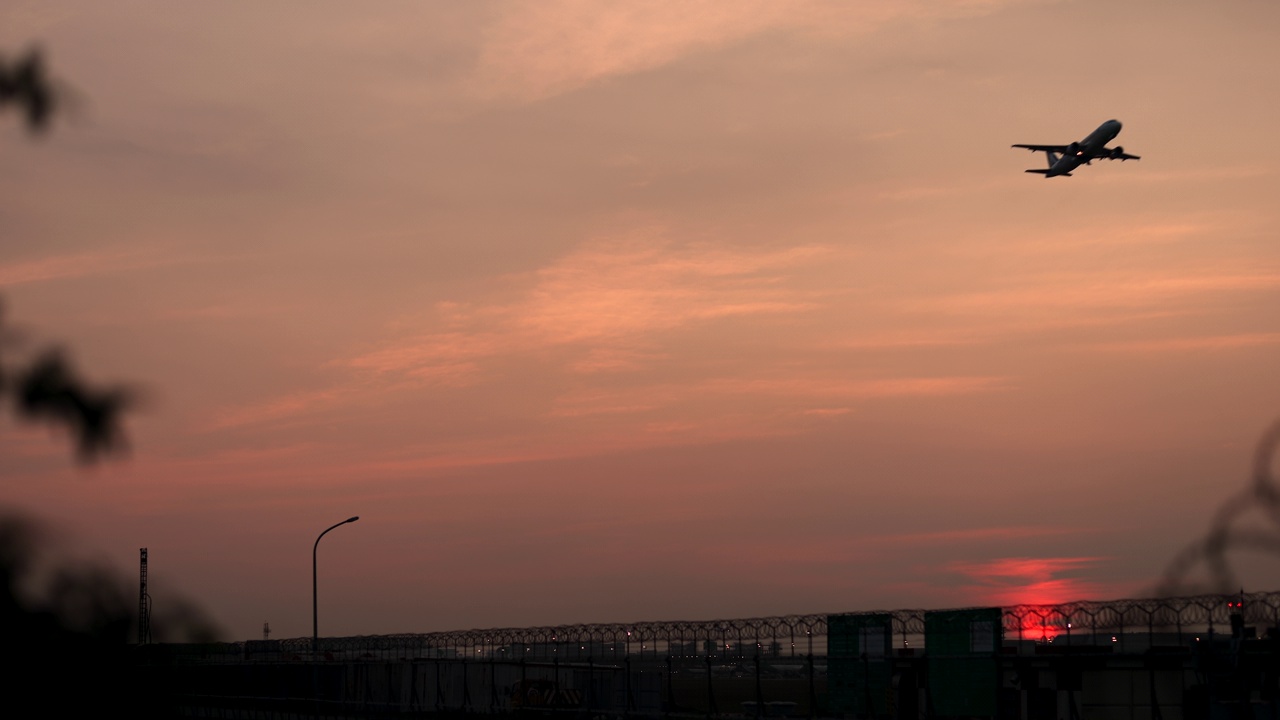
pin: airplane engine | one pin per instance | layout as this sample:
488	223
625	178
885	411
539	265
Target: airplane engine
1117	151
1073	148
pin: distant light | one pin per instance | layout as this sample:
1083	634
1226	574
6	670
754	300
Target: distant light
1113	638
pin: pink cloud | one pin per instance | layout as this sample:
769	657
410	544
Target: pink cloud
612	360
540	50
535	51
1069	292
73	266
290	405
609	297
1029	581
869	388
452	349
644	284
978	534
600	402
705	393
1204	342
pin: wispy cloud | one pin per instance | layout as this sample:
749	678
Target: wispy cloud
613	360
960	186
1202	342
853	548
642	284
535	51
58	267
1123	291
609	298
869	388
1193	175
1014	532
448	355
827	412
1031	581
538	50
607	309
276	408
816	387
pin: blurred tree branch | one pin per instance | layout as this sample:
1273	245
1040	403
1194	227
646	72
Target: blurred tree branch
24	83
48	389
68	625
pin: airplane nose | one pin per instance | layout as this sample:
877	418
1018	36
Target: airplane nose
1117	124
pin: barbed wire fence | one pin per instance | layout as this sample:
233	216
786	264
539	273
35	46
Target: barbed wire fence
1134	622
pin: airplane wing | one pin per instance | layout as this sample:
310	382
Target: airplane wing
1060	149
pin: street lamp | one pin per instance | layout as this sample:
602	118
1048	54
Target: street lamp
315	622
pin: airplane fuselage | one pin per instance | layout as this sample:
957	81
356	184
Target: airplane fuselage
1087	149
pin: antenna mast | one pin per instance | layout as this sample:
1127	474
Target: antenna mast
144	601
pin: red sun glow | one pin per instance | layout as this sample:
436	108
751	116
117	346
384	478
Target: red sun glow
1007	582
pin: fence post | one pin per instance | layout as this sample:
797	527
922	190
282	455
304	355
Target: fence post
813	689
711	692
631	701
759	687
466	686
493	683
439	686
591	683
671	691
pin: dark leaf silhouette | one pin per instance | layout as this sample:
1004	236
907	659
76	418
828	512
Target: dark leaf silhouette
24	83
50	391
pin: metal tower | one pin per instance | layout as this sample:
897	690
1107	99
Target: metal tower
144	602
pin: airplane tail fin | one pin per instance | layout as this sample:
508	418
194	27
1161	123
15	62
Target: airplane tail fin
1052	157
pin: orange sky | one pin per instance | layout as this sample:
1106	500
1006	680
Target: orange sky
660	310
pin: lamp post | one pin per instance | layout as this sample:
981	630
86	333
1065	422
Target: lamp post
315	621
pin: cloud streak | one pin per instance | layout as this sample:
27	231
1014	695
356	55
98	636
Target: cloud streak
537	51
613	299
77	265
1029	581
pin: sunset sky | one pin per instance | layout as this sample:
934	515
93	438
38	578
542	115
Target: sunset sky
612	311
